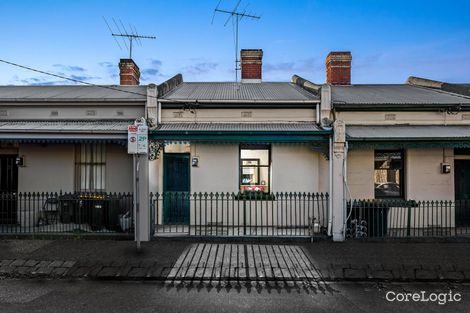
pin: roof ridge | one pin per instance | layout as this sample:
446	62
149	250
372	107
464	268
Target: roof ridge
443	91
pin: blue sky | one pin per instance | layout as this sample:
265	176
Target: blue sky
389	40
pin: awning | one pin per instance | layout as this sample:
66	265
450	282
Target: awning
239	132
61	131
408	136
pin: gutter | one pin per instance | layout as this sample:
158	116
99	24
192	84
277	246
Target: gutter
72	101
236	101
344	107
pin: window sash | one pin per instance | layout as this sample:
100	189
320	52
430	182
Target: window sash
90	168
255	170
389	174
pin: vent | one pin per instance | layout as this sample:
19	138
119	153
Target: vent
390	117
90	112
119	113
3	113
247	114
177	114
54	113
465	117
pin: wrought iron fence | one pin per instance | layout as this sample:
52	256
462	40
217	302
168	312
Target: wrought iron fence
49	212
407	218
235	214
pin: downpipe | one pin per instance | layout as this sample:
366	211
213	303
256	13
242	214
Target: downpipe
330	198
346	186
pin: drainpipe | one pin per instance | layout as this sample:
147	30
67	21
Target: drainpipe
318	113
330	198
348	191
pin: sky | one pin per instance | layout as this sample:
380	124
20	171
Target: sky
389	40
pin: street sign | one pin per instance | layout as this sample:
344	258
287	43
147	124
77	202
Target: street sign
142	139
137	139
132	139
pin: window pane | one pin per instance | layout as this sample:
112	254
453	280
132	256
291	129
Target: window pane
91	167
254	169
388	173
250	175
261	155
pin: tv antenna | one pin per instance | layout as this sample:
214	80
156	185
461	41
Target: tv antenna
236	17
123	33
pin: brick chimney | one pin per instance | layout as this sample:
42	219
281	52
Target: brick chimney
129	72
338	68
251	61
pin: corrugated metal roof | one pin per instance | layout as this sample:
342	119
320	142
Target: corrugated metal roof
393	94
266	91
73	93
96	126
239	127
406	132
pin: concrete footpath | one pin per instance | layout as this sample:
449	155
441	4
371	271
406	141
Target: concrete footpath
173	260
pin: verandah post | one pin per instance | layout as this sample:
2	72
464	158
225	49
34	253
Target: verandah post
337	193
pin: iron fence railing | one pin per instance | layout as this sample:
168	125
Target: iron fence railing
52	212
234	214
407	218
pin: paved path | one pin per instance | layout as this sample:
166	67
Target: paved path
243	262
179	261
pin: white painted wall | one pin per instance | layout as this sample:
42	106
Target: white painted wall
295	168
424	180
115	111
119	170
400	117
49	168
239	115
360	174
218	168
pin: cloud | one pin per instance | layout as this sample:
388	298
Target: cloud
153	71
70	68
155	62
38	81
106	64
200	68
49	81
150	71
303	65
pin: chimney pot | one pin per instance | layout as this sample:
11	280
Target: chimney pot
338	68
129	72
251	61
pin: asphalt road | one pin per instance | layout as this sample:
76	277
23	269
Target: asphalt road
101	296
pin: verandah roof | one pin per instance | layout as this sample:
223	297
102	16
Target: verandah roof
64	131
408	136
240	132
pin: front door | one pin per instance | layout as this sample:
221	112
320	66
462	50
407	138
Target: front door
462	192
176	188
8	189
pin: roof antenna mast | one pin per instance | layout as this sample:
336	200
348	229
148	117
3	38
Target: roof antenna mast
236	17
123	33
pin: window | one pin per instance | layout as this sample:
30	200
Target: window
90	167
388	174
255	162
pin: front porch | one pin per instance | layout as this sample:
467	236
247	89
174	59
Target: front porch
40	213
407	219
241	215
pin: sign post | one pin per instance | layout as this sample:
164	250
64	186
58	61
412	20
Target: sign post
137	144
